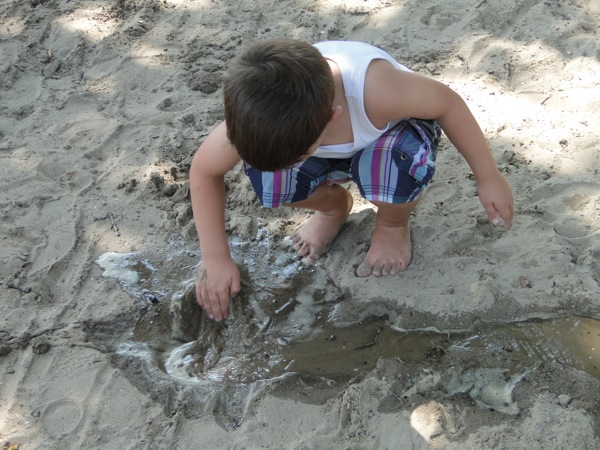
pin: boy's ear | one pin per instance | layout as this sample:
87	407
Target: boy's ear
336	111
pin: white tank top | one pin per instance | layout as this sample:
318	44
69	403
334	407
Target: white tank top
353	59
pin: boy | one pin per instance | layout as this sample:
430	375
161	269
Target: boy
303	118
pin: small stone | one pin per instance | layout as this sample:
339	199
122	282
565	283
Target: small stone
41	347
524	282
429	420
188	118
169	190
564	400
483	220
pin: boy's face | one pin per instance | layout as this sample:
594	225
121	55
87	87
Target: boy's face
335	113
313	148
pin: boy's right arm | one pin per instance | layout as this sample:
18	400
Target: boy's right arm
218	278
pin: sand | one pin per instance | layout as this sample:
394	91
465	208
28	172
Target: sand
103	104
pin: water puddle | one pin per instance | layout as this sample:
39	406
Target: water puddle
279	325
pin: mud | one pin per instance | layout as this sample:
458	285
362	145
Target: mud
280	332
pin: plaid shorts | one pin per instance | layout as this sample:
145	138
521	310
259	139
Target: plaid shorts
395	168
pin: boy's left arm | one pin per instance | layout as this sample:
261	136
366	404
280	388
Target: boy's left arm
465	134
391	94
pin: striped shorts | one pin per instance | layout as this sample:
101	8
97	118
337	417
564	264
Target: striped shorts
395	168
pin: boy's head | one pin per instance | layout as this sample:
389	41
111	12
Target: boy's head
278	100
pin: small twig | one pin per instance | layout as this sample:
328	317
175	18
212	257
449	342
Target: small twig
289	306
265	327
373	341
248	284
93	345
47	330
12	285
480	4
113	223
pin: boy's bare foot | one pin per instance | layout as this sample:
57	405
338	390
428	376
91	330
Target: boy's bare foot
316	235
390	251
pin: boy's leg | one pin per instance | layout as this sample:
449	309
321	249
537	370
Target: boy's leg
310	185
392	174
332	204
391	249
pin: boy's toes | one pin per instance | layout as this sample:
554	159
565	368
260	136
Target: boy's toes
312	259
396	269
377	270
302	248
387	269
364	270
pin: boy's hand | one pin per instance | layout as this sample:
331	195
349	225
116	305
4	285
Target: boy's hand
497	199
216	282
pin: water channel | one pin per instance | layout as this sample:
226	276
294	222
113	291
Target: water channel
283	327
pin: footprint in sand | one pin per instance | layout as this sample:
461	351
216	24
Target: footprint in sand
61	417
25	91
572	208
441	17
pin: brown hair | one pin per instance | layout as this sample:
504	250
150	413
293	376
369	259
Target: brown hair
278	99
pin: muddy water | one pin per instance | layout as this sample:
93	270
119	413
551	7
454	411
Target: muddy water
278	325
335	353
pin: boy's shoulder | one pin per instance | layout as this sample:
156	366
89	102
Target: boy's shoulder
216	154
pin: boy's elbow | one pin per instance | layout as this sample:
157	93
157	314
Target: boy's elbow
451	104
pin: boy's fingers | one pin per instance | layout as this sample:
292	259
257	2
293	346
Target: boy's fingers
200	288
209	309
507	217
224	307
215	301
204	299
495	215
234	289
218	305
199	294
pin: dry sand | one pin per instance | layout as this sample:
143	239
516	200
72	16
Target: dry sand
103	104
